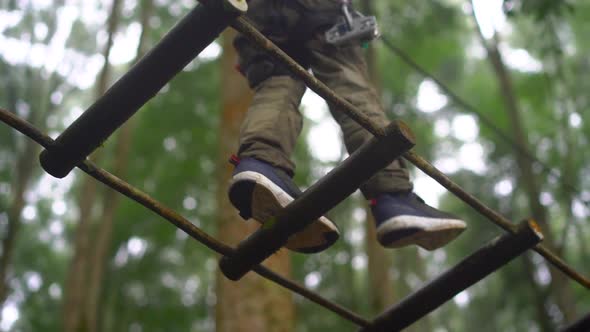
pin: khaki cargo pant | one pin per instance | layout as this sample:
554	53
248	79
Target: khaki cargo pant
273	122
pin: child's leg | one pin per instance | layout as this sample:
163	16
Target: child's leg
401	217
344	70
259	189
273	122
261	184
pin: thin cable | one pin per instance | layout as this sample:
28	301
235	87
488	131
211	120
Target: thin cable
492	215
485	121
176	219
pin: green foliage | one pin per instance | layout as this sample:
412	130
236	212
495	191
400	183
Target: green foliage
540	9
179	132
159	279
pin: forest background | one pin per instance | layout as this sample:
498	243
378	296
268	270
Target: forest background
510	124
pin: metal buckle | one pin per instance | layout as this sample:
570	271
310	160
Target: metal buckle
352	26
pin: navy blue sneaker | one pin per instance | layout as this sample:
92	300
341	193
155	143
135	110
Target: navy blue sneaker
259	191
404	219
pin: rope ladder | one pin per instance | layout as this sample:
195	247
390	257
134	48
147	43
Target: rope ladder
202	25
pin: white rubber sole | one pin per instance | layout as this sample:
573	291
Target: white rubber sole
268	199
428	233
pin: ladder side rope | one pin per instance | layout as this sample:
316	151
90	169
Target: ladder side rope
492	215
242	25
484	120
176	219
470	270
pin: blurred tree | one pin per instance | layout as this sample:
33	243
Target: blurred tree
104	227
29	96
156	279
75	315
379	264
253	304
559	282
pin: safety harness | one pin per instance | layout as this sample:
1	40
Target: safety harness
341	26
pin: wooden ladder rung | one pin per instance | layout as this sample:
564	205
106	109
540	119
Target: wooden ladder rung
318	199
181	45
470	270
581	325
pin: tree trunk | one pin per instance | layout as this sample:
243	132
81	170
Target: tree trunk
380	286
23	175
76	290
23	170
559	282
383	287
539	294
381	293
112	198
37	93
253	303
75	286
566	102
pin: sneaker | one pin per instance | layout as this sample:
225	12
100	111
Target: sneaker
259	191
404	219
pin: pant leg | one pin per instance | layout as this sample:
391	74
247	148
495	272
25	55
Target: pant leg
273	122
343	69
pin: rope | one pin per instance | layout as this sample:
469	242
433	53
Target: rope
176	219
485	120
243	26
492	215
